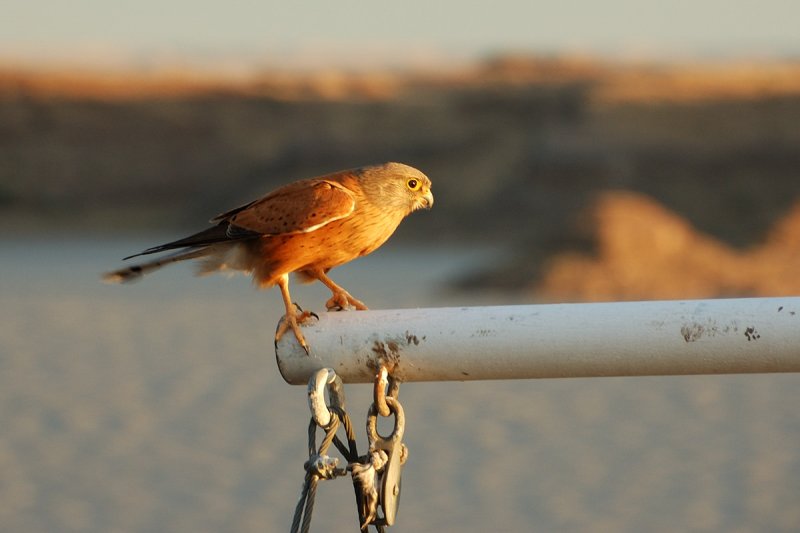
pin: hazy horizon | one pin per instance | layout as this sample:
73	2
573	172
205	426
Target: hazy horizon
349	34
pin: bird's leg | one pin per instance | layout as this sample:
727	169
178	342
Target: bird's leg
292	319
341	299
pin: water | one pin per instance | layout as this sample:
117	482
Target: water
158	407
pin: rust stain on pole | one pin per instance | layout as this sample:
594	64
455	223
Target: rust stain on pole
680	337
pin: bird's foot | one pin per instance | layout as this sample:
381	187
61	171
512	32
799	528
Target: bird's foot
342	301
293	320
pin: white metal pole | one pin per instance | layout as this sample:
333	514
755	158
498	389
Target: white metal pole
725	336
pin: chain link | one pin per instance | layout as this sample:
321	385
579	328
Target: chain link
369	471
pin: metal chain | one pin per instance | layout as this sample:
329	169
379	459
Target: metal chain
384	380
320	466
351	451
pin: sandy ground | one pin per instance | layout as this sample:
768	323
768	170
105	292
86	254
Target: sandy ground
158	407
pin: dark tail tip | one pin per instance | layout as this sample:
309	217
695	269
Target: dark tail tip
124	275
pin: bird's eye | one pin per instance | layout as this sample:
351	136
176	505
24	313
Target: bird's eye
413	184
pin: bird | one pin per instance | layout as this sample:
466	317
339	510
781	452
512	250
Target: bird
304	228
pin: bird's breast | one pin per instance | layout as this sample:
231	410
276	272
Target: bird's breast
326	247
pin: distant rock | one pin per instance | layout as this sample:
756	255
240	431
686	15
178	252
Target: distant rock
644	251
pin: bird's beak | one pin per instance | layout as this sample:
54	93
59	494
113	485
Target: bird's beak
427	199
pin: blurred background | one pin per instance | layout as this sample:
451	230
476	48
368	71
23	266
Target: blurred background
579	152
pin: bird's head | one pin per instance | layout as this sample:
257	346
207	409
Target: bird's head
397	186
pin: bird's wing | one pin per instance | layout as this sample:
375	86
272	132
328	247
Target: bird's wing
299	207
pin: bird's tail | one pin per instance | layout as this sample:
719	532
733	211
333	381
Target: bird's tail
135	272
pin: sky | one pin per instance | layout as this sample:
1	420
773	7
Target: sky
408	31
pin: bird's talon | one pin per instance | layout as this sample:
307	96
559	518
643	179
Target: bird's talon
294	321
304	317
335	307
343	301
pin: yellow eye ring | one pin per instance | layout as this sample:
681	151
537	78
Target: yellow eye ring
413	184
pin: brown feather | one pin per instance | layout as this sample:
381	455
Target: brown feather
307	227
295	208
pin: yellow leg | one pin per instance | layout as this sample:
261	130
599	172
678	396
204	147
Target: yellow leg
292	319
341	298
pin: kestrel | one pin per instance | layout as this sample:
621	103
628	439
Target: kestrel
307	228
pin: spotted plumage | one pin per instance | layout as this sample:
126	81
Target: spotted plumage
307	227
